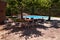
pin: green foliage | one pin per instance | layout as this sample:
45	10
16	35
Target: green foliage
12	6
45	3
55	1
30	6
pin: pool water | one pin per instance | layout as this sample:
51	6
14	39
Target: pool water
36	17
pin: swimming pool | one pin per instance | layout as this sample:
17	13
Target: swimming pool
36	17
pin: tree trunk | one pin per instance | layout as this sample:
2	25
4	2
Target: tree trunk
21	12
49	18
49	14
32	10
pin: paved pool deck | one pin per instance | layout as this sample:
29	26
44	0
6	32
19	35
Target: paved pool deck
55	18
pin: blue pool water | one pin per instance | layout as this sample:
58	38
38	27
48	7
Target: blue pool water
36	17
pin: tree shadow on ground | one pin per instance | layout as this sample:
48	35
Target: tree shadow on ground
26	31
30	33
55	24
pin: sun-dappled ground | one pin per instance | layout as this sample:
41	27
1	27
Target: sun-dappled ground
39	32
